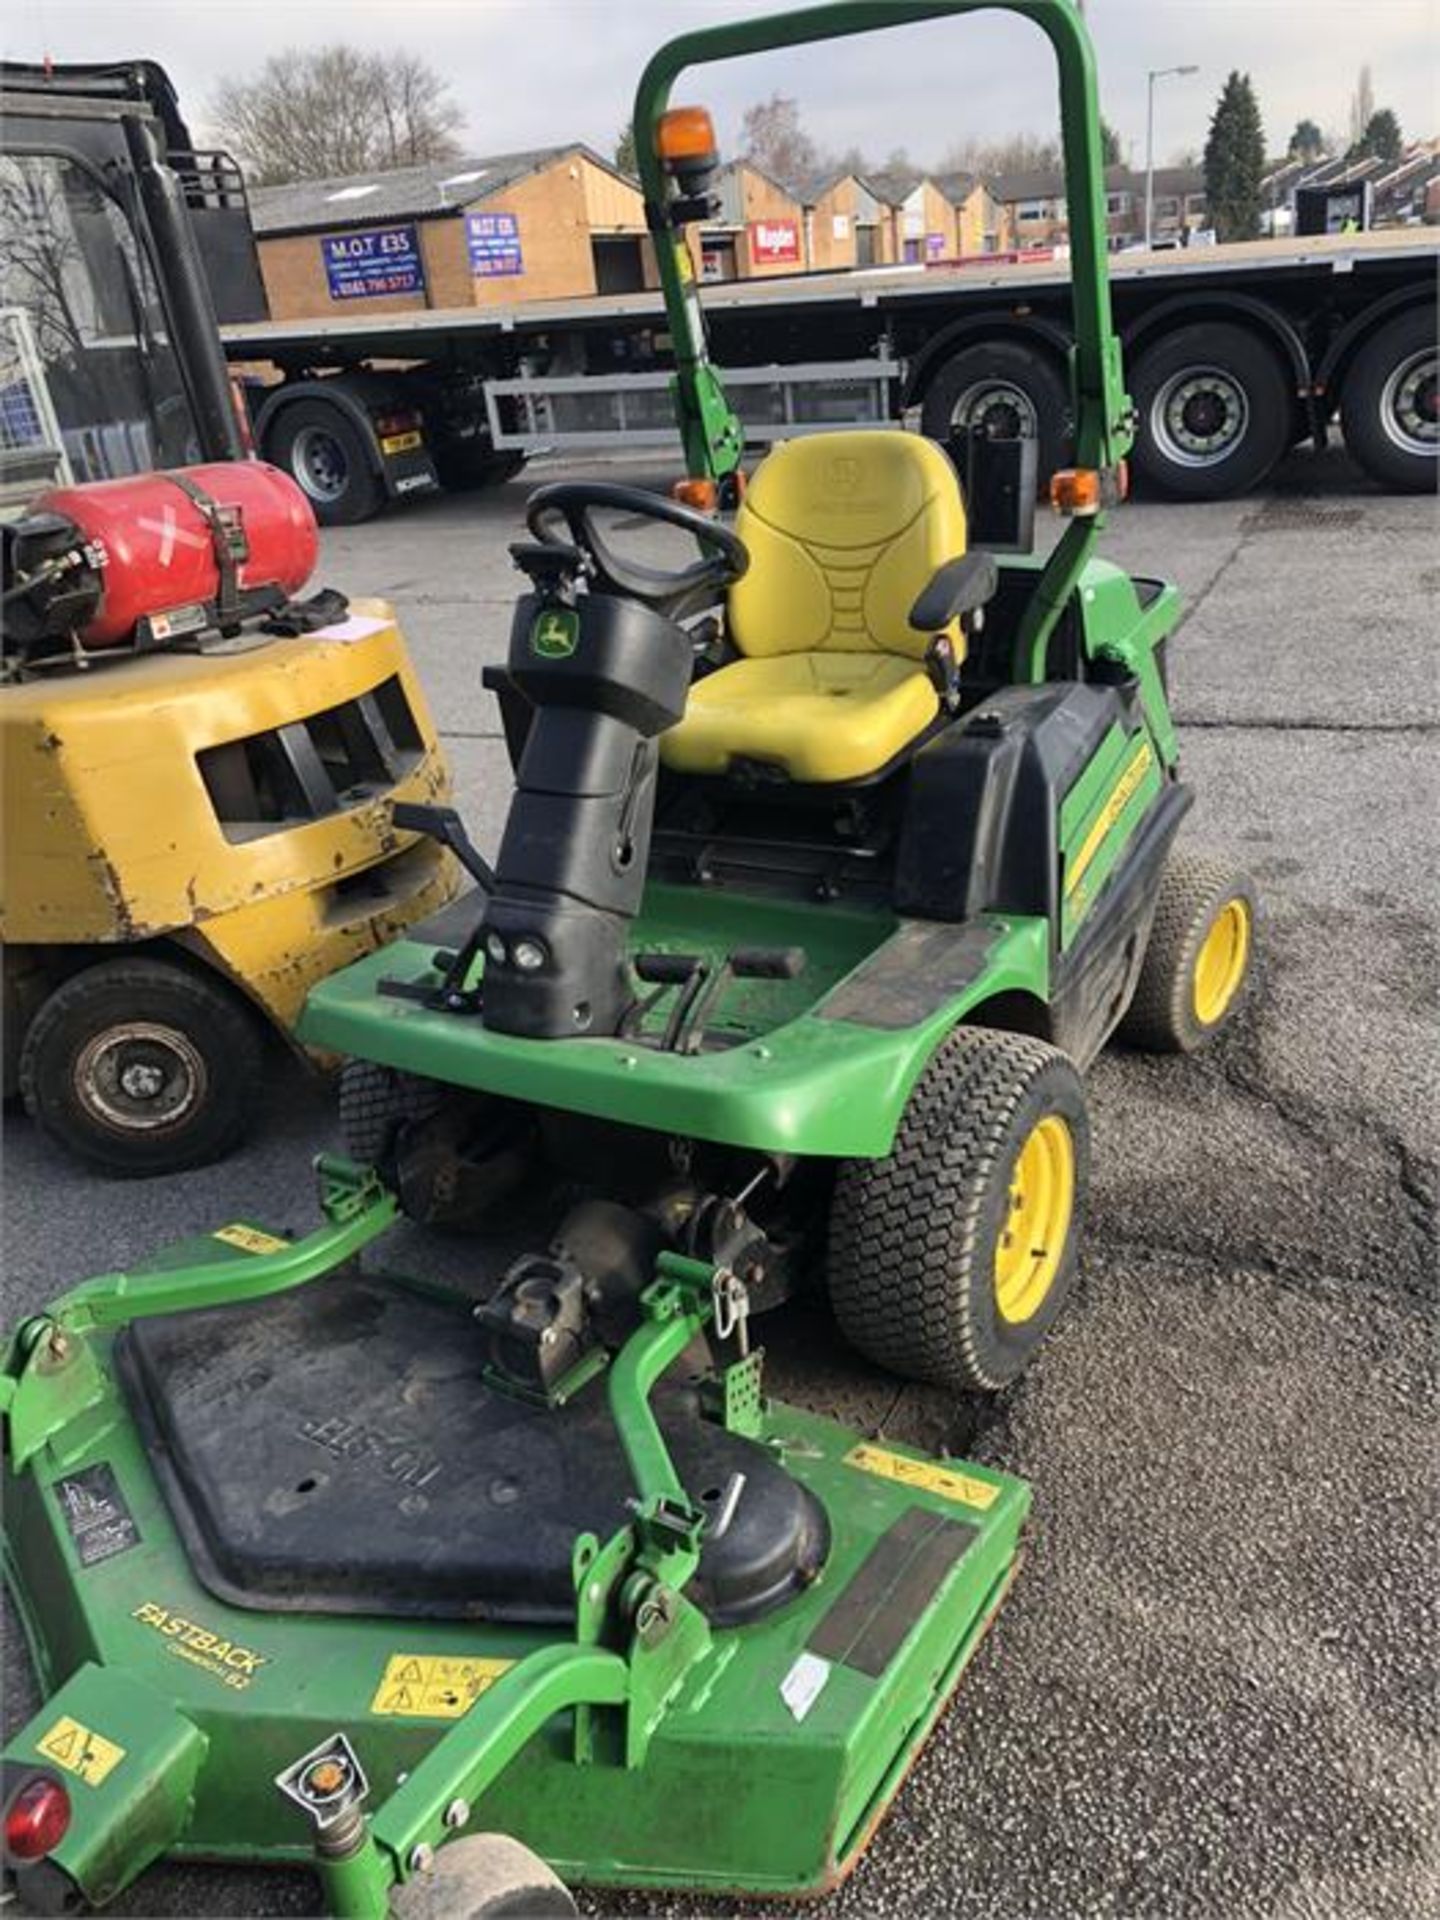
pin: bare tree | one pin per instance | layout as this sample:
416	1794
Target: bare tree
1019	153
772	137
335	110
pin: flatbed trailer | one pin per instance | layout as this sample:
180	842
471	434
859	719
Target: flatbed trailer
1233	354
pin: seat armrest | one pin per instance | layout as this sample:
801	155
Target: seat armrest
960	586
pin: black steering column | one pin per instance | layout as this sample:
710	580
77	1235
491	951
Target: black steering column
597	652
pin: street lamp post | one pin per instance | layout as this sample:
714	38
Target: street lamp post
1156	73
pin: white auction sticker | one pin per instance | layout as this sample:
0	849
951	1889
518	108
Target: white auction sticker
802	1685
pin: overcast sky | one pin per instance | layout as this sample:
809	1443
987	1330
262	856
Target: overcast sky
537	72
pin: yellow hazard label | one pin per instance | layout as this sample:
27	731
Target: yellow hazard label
88	1755
434	1686
948	1482
1121	794
250	1239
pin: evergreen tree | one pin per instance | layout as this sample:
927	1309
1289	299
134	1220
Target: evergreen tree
625	150
1235	161
1109	144
1307	142
1381	137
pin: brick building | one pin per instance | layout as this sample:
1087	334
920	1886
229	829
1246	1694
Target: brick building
758	230
553	223
1037	216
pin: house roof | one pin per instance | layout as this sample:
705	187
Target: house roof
406	193
1044	184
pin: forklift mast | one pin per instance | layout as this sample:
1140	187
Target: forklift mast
111	220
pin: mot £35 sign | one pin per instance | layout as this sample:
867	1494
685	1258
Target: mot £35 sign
493	241
774	241
376	260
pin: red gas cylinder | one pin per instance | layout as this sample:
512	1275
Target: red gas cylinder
157	535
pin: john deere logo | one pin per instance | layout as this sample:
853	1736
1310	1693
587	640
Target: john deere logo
555	633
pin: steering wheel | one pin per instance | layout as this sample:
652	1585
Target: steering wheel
724	556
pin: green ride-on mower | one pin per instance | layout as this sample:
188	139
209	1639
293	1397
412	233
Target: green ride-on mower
832	858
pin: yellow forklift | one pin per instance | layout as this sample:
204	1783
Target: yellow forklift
197	765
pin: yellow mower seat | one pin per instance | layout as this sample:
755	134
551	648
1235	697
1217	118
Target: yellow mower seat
844	531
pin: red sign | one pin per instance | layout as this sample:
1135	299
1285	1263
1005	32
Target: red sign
775	242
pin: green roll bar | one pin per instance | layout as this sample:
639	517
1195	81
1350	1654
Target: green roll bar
1104	427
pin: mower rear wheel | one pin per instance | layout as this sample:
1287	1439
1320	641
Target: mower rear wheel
142	1066
1197	961
950	1259
482	1877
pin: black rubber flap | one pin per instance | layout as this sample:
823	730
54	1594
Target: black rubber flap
335	1450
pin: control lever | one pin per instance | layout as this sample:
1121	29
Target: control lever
445	825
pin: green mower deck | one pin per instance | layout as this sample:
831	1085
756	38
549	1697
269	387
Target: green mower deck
662	1752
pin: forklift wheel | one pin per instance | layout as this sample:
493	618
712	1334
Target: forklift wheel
483	1875
140	1066
1198	959
951	1258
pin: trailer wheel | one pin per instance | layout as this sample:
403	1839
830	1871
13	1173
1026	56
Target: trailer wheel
950	1259
1215	412
1003	390
482	1877
325	452
1389	407
139	1066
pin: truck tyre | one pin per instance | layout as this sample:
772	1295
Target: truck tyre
324	451
950	1258
1388	405
1215	412
481	1877
1007	390
139	1066
1198	959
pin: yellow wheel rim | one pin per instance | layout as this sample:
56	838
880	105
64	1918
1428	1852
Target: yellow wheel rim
1221	962
1037	1222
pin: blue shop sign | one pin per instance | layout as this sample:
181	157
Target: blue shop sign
373	261
493	240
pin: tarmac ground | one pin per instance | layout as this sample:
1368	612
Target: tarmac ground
1212	1691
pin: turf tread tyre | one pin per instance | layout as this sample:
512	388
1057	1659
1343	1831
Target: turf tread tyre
1362	404
375	1102
213	1018
912	1235
484	1876
1161	1016
1256	368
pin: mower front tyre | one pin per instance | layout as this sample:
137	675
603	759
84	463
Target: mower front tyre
1198	958
950	1259
482	1877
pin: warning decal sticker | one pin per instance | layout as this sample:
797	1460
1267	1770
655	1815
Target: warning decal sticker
100	1523
948	1482
89	1756
434	1686
250	1239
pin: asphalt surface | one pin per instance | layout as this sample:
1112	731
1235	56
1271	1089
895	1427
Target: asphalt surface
1212	1691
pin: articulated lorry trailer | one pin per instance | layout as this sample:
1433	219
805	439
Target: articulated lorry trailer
1234	354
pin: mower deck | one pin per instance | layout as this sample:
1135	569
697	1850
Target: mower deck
175	1624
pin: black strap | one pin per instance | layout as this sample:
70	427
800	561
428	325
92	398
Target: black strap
229	541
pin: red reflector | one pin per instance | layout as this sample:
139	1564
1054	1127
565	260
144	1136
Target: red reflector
36	1820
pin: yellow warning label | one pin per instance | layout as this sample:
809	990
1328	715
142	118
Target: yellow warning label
250	1239
434	1686
89	1756
948	1482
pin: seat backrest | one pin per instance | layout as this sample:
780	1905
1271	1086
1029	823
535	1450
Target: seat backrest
843	531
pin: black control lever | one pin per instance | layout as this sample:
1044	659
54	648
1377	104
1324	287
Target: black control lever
767	963
445	825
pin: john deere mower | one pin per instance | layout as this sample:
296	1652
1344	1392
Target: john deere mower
832	857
